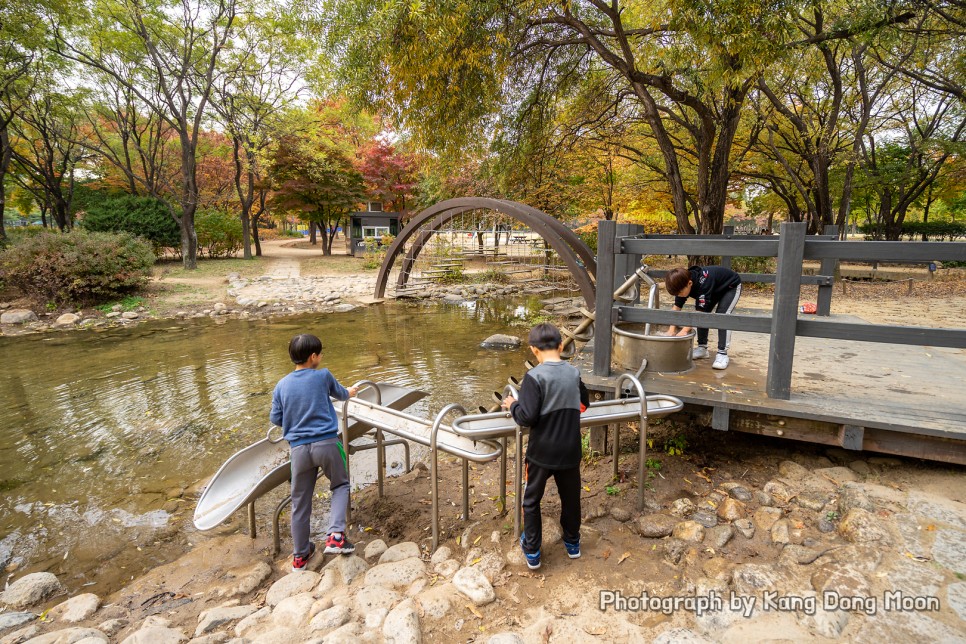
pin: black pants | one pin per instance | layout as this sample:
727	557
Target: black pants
725	305
568	487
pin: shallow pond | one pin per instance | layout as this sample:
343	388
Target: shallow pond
101	432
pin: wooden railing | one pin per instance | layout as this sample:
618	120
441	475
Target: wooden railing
619	247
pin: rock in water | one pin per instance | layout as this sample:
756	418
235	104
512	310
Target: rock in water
18	316
30	589
501	341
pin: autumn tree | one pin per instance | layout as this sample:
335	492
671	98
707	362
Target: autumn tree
390	175
313	172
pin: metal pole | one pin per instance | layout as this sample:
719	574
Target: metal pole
344	422
503	459
434	465
617	447
466	490
518	485
784	317
276	536
251	519
380	459
829	266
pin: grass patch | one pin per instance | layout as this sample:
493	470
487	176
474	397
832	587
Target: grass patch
213	268
128	303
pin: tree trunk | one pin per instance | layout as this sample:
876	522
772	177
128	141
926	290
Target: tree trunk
6	154
189	241
312	238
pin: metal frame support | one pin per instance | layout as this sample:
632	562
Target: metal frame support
276	533
251	520
434	469
829	267
720	418
606	264
788	284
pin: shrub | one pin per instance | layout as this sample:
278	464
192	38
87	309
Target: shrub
80	267
753	264
219	233
143	216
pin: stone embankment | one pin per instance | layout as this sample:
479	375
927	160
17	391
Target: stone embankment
813	553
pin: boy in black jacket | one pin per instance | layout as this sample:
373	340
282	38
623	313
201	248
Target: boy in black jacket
551	398
710	286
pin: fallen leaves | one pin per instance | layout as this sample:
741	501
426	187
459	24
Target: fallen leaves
623	557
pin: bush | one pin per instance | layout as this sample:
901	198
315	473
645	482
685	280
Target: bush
79	267
219	233
143	216
914	230
753	264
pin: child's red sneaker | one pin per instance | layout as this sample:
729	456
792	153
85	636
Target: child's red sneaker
337	544
299	563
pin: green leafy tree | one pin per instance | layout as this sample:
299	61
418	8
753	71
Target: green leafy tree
165	53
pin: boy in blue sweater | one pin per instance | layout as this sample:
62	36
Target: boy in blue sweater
302	408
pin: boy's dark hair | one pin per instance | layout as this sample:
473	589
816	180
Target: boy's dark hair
544	336
677	280
302	346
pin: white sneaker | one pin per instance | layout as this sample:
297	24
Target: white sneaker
720	361
697	353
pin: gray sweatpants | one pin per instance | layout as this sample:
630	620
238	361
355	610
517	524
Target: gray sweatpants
306	461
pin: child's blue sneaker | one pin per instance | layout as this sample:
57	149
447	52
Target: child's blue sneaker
533	560
573	549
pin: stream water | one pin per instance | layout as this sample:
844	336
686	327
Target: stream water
102	432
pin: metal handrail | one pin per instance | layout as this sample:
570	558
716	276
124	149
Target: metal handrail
434	468
500	425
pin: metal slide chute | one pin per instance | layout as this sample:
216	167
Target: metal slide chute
263	466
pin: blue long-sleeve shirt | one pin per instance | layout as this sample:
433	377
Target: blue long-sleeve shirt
302	408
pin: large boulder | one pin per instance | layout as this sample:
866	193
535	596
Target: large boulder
474	584
76	609
30	589
18	316
293	584
396	574
402	625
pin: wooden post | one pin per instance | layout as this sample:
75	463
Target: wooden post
830	266
607	267
784	316
728	232
606	237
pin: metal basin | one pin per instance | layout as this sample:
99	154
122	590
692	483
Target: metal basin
663	353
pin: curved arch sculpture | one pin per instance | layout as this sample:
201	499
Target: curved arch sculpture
574	253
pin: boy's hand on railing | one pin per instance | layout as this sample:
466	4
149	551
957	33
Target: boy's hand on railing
353	391
507	402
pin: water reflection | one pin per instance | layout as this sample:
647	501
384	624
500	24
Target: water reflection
100	430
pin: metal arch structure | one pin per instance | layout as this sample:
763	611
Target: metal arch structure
561	239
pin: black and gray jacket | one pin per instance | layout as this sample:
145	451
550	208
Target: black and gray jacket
708	284
550	397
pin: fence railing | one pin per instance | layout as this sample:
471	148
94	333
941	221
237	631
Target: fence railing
619	247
